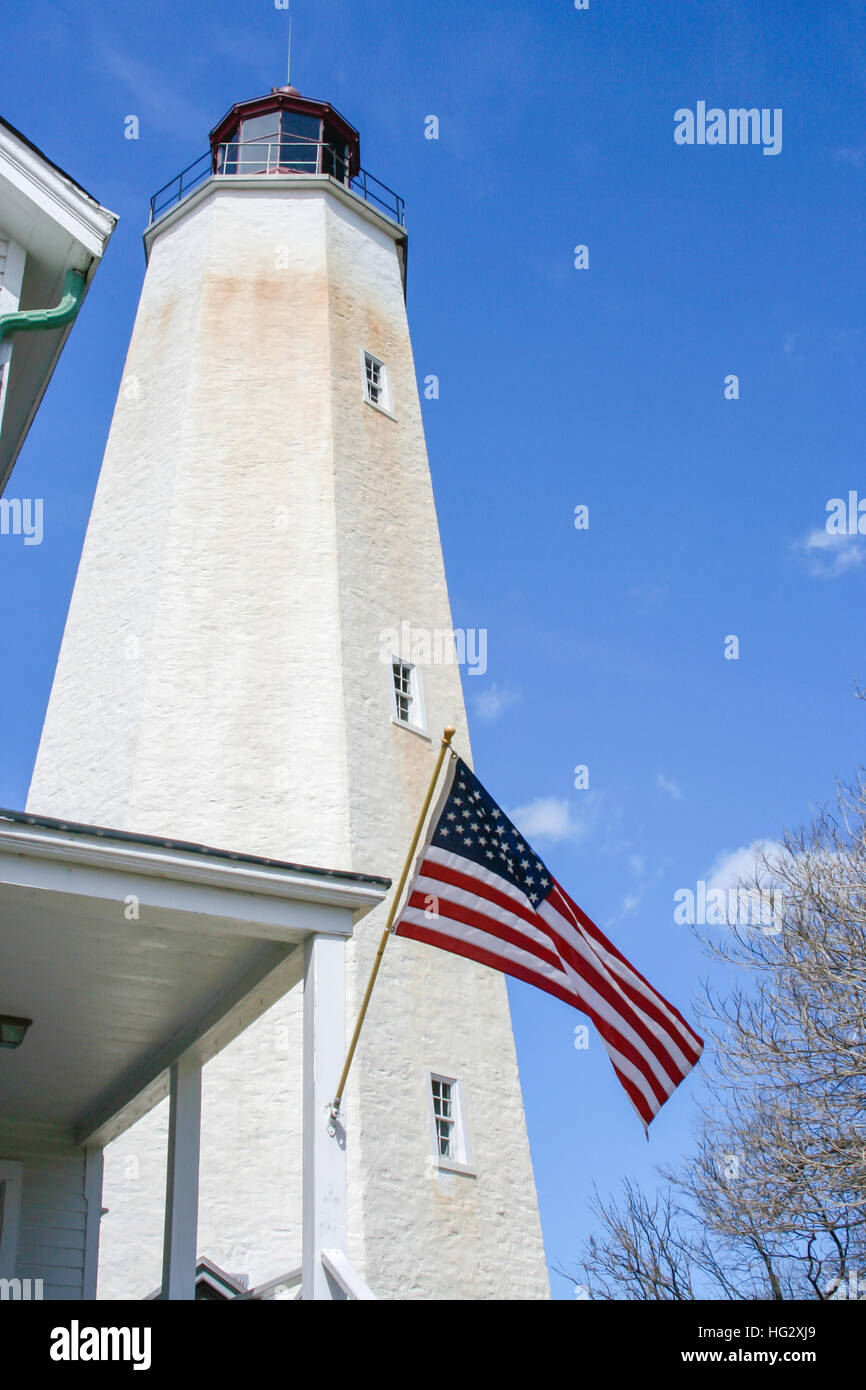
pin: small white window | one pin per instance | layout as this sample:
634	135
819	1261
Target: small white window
408	696
377	383
448	1123
443	1116
11	1183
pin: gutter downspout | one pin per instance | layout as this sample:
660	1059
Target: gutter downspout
41	320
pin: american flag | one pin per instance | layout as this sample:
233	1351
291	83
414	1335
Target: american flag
480	890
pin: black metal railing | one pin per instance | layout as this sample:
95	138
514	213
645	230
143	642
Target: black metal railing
390	202
182	184
237	159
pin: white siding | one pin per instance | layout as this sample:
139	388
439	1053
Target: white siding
51	1238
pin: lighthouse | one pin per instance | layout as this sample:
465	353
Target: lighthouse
234	672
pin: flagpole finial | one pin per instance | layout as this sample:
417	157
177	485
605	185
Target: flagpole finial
447	736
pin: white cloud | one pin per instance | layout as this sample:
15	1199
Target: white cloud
735	865
667	784
827	556
637	864
490	703
554	818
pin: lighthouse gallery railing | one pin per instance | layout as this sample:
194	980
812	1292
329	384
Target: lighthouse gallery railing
238	159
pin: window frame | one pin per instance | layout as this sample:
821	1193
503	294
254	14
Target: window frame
11	1190
385	405
460	1161
416	697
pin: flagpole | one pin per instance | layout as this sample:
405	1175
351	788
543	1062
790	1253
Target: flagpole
447	736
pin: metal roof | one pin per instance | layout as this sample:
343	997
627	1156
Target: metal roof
101	832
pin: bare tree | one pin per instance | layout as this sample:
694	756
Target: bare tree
651	1248
773	1202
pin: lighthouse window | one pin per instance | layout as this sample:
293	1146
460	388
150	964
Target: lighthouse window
299	148
408	699
259	148
403	684
374	380
448	1123
335	155
443	1113
377	383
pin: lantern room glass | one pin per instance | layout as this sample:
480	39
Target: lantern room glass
274	142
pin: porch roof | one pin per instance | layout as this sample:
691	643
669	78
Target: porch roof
129	952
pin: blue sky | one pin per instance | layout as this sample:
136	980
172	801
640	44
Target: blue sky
559	387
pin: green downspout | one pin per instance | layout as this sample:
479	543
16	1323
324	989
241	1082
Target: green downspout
40	320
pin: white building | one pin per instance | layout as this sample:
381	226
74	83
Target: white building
52	237
130	962
264	516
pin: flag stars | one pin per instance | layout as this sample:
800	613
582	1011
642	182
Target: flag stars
483	833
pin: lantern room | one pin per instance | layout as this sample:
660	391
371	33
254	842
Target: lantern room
285	133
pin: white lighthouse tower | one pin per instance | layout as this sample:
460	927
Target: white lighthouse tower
234	671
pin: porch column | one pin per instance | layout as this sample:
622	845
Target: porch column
324	1224
179	1251
93	1169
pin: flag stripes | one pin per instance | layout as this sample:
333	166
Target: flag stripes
514	917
